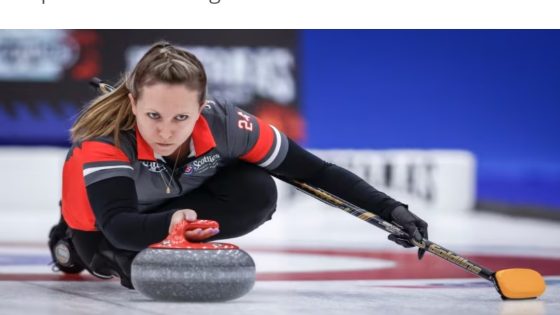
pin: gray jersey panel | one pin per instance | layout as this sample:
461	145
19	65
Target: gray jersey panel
235	133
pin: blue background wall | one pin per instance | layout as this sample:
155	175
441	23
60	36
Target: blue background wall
495	93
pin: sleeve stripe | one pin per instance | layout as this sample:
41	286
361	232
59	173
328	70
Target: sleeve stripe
276	148
263	145
90	170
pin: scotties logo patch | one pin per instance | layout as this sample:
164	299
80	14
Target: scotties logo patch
202	164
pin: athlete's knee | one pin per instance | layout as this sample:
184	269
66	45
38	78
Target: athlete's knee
258	191
264	194
259	206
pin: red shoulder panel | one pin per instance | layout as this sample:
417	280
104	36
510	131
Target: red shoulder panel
95	151
263	145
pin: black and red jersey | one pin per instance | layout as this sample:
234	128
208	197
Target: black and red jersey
221	135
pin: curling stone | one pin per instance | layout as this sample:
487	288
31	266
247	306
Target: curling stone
177	270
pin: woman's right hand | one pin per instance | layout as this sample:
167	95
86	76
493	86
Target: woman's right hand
192	235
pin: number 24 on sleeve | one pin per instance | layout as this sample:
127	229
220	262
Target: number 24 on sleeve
244	122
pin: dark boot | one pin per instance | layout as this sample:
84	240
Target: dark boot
110	261
64	257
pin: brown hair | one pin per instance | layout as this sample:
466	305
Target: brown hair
111	113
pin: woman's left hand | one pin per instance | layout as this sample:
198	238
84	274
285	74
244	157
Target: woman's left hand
416	228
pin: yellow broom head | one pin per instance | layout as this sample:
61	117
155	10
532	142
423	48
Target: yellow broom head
518	283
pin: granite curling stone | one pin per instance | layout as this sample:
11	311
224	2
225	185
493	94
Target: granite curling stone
177	270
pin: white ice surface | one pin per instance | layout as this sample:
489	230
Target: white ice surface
308	225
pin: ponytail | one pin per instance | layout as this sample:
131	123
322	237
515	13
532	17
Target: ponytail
108	114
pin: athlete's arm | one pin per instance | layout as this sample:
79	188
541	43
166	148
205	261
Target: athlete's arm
115	205
302	165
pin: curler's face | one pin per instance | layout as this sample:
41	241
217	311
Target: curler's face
166	115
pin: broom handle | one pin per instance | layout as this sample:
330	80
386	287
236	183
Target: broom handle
374	219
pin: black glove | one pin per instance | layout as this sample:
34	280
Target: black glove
414	226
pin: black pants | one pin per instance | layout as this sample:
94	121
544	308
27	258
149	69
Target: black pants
239	197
